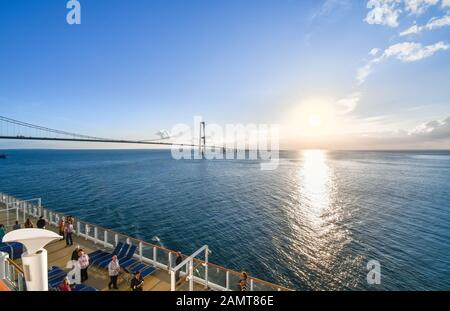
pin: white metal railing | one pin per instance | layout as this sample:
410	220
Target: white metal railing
189	263
205	273
11	274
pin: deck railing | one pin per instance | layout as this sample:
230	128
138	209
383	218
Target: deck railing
11	274
216	277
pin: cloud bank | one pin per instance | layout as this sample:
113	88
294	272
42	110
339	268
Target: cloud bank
433	23
405	52
388	12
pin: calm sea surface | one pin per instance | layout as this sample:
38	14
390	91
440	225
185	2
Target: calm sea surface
313	223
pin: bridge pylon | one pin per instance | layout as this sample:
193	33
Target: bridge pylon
202	140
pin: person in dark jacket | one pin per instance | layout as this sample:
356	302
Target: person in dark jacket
16	226
178	260
75	255
137	282
41	223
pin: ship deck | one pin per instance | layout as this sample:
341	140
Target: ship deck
196	273
59	255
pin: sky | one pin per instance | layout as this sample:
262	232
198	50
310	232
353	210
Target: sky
335	74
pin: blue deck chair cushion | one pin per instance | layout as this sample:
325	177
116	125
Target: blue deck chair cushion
124	261
102	254
128	263
131	252
14	249
106	255
104	263
56	281
148	271
96	253
143	268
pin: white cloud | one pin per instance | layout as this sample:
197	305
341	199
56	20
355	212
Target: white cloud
438	22
437	129
363	73
405	51
433	23
411	31
374	51
411	51
383	12
348	103
388	12
419	6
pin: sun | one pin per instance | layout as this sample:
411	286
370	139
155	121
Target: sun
315	120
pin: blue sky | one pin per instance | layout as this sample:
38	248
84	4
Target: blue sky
132	68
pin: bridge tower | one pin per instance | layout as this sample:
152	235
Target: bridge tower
202	140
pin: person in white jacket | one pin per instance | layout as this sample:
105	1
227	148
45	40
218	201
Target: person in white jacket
113	270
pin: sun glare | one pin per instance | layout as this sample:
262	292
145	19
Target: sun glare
314	120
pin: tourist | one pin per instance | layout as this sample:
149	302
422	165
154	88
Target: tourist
75	255
68	228
28	223
65	286
16	226
61	227
83	261
113	270
137	282
178	260
2	232
41	223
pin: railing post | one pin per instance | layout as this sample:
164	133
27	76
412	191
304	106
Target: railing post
191	275
251	284
116	239
20	281
154	255
25	206
105	237
17	213
227	280
39	211
3	261
95	235
11	271
86	231
206	266
78	228
50	216
170	262
172	280
128	241
140	251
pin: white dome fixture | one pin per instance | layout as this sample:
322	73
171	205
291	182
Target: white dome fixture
34	260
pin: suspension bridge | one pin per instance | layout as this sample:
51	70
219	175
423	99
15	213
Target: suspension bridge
18	130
